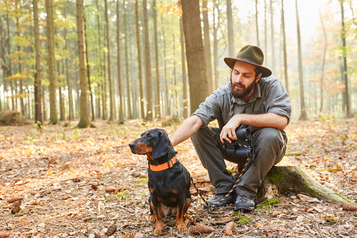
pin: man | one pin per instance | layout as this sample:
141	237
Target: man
259	102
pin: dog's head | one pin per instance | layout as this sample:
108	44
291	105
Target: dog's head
154	143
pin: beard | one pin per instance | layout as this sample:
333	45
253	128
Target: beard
241	94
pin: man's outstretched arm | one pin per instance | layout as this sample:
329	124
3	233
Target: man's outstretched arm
189	127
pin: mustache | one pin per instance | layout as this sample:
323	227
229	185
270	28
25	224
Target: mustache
239	84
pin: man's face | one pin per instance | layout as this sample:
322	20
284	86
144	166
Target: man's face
243	80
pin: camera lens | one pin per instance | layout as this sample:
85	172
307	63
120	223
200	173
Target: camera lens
244	153
243	133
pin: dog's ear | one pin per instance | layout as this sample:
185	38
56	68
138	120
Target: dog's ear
161	148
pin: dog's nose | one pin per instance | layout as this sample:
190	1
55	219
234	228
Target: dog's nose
131	145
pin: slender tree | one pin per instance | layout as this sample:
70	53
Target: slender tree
51	63
166	93
121	115
230	29
256	21
127	64
323	63
303	115
207	45
272	40
344	54
88	71
68	80
111	89
158	104
265	30
21	80
284	47
194	53
38	84
147	63
139	59
84	121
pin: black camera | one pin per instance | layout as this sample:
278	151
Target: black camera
241	149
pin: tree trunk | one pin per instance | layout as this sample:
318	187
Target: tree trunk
194	53
166	93
111	89
44	103
88	70
207	46
303	115
230	30
22	106
157	94
51	63
293	179
215	45
69	88
256	21
184	79
121	115
174	74
62	116
323	64
272	36
139	60
127	66
99	54
284	48
84	120
265	30
344	54
10	63
147	63
38	84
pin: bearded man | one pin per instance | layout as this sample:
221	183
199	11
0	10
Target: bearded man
253	99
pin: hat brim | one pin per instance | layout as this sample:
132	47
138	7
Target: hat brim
231	61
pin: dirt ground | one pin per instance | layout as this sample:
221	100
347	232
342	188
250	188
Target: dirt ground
78	182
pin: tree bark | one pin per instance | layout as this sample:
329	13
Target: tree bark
88	71
284	48
84	120
207	46
303	115
139	60
121	114
127	66
256	21
149	108
174	74
215	45
38	84
323	64
166	93
51	63
265	30
184	79
69	88
157	94
62	116
344	55
272	36
99	55
22	106
111	89
230	29
194	53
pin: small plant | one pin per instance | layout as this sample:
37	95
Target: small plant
268	204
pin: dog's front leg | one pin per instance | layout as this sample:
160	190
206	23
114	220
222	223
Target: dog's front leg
156	207
182	206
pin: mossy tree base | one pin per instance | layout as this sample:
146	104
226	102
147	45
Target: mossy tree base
293	179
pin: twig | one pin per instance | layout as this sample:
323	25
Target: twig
126	209
243	235
318	230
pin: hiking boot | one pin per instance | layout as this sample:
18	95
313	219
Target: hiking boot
243	203
220	200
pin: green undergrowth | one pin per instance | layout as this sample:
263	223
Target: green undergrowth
268	204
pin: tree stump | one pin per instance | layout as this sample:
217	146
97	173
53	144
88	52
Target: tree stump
292	179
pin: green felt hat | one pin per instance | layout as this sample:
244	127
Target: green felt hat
252	55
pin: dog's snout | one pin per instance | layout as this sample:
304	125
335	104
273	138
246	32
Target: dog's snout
132	144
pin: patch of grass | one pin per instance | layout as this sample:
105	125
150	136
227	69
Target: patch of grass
268	203
141	180
331	219
122	194
244	220
293	153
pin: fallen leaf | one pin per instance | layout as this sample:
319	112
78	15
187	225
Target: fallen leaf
4	234
11	200
110	189
111	230
276	213
223	221
305	198
128	236
300	219
228	229
354	175
340	173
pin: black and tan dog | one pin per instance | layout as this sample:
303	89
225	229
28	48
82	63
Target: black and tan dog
169	181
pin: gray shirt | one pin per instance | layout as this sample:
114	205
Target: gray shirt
269	96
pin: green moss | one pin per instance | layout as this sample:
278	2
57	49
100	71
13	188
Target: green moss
293	153
344	198
310	190
275	176
268	204
235	214
244	220
123	194
142	180
331	219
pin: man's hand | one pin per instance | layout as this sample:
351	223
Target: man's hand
229	130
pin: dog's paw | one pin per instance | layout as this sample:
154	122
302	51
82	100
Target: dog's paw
158	231
182	228
152	218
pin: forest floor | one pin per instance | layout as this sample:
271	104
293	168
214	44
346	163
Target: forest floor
62	175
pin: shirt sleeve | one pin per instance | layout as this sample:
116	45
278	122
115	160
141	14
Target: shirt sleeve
277	100
210	109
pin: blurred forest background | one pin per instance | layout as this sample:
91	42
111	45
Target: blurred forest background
124	59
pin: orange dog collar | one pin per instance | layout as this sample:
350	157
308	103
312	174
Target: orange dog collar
163	166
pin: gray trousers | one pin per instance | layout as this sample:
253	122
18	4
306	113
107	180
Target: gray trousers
269	148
